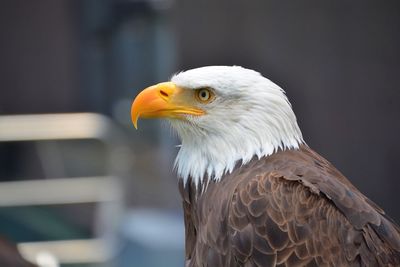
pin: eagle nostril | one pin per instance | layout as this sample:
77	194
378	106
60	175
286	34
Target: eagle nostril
163	93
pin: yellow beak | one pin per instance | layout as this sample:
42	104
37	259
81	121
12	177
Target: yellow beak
163	100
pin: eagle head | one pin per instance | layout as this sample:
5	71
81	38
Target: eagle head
223	115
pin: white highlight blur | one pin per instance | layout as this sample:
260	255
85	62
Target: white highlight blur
46	259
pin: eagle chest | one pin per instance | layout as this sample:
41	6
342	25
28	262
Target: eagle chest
206	224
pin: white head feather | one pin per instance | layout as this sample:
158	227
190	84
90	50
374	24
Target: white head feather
250	116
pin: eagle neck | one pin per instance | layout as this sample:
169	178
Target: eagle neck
201	160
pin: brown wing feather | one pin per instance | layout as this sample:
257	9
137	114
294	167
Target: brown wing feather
291	209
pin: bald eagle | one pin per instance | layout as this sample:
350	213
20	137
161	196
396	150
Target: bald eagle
254	194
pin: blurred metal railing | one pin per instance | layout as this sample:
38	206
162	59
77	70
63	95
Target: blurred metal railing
56	127
58	191
105	191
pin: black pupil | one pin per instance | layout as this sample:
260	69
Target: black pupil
203	94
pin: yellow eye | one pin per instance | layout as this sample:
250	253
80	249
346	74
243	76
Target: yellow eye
204	95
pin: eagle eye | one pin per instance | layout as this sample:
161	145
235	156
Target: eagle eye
204	95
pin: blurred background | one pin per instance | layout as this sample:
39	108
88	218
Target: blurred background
80	187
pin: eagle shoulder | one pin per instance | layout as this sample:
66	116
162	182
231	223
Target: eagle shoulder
292	208
296	208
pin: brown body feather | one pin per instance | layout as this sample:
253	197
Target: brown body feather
292	208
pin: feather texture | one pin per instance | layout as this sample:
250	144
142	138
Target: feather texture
292	208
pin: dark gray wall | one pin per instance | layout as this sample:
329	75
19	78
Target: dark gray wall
38	57
339	62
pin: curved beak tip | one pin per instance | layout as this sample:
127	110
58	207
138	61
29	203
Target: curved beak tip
134	117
